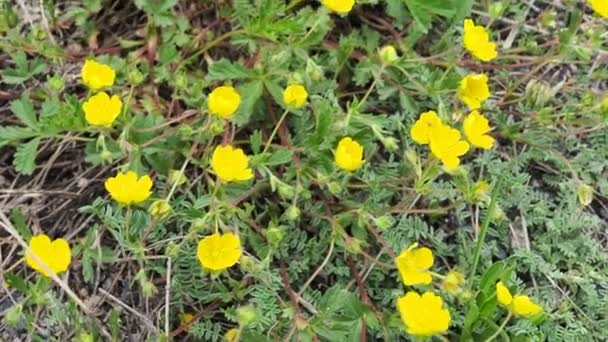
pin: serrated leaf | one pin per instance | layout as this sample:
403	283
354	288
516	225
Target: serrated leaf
10	134
20	223
250	94
279	157
255	141
226	70
24	110
25	157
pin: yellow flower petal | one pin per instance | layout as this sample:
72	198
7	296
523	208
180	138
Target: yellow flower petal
524	306
477	41
230	164
349	155
295	96
423	315
224	101
413	265
127	188
96	75
474	90
101	109
446	145
600	7
55	254
421	130
503	294
476	128
339	6
217	252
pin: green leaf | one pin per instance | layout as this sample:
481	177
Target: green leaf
226	70
24	110
256	141
250	94
25	157
10	134
20	222
279	157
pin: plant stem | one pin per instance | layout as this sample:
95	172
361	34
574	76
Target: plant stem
501	328
275	130
484	231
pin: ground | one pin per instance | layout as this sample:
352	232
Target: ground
323	248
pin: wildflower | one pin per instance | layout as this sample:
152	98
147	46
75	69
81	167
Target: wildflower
96	75
446	145
56	255
339	6
232	335
230	164
295	96
388	54
421	130
160	208
477	41
413	265
349	154
600	7
584	193
519	305
481	188
224	101
423	315
217	252
476	127
101	109
453	282
127	188
473	90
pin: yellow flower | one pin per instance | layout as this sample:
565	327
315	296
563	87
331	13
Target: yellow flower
339	6
453	282
519	305
230	164
101	109
224	101
349	154
218	252
477	41
295	96
160	208
232	335
600	7
56	254
423	315
476	127
446	145
127	188
481	187
413	265
388	54
96	75
421	130
473	90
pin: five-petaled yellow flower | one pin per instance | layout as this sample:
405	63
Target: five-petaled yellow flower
217	252
96	75
519	305
447	146
56	255
476	128
128	188
339	6
422	128
453	281
295	96
474	90
477	41
600	7
414	264
349	154
232	335
224	101
101	110
230	164
423	315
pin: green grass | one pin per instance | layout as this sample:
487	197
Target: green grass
318	243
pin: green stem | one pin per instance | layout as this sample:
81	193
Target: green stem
484	231
275	130
501	328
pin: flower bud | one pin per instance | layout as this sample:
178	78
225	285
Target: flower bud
172	249
295	78
390	143
148	289
246	314
177	178
388	55
135	77
335	188
292	213
286	191
56	83
13	315
199	224
353	245
217	127
452	282
496	10
181	81
313	71
160	209
275	235
585	194
384	222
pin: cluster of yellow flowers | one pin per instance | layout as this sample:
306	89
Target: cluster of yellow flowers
100	109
